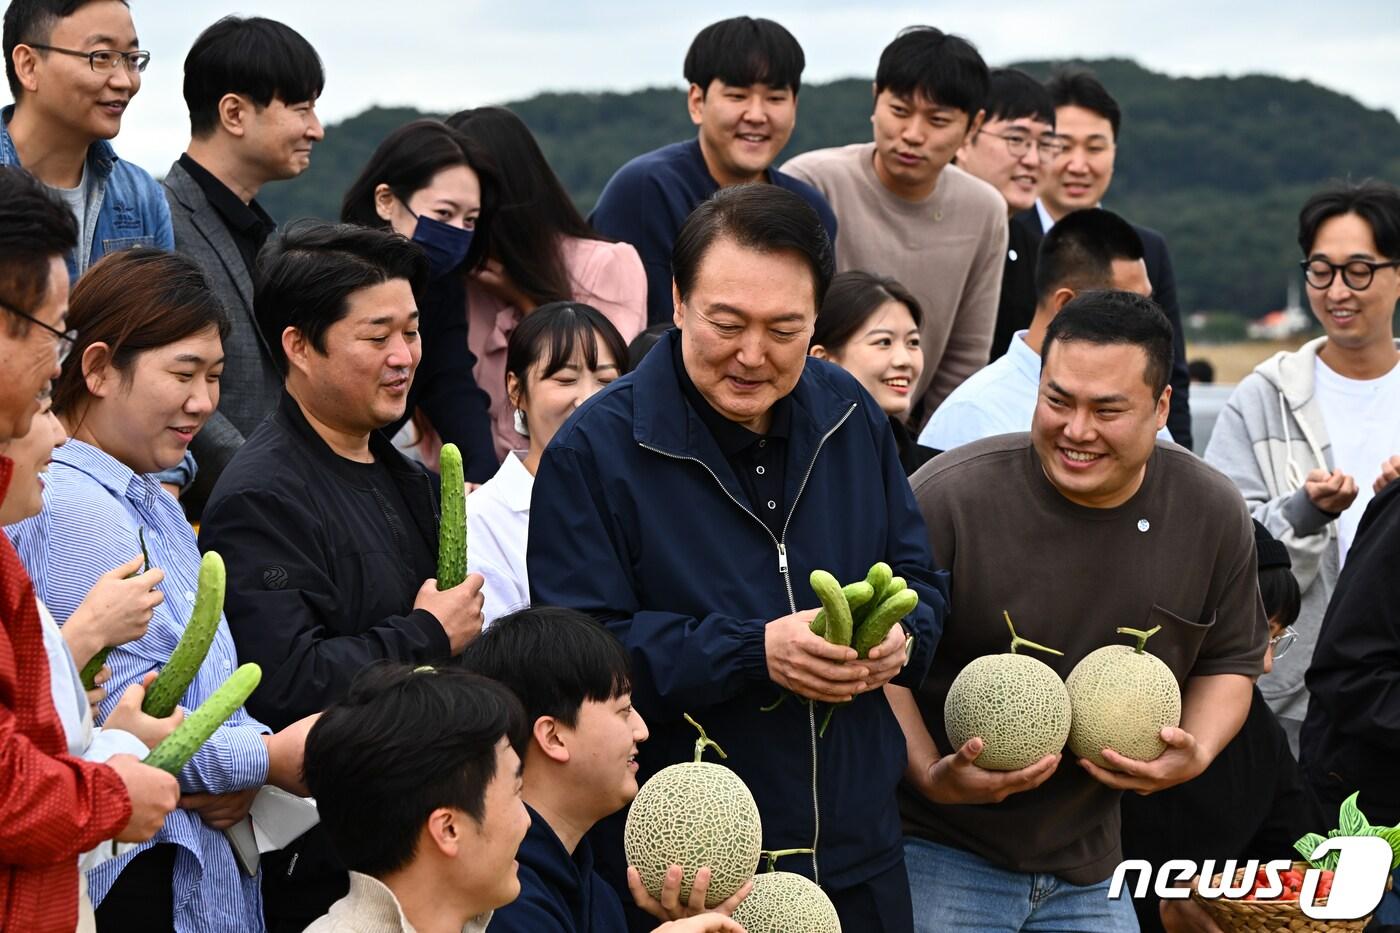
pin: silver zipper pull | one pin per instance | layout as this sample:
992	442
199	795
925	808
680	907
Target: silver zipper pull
782	559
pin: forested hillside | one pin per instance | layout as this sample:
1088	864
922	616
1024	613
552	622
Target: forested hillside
1219	165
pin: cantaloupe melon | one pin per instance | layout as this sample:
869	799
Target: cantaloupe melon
1016	704
1122	697
695	815
784	902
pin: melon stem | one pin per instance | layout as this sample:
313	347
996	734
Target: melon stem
1018	642
703	741
1140	635
776	854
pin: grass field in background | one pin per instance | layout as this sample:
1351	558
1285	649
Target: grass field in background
1234	361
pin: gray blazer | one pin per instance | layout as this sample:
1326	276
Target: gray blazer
251	384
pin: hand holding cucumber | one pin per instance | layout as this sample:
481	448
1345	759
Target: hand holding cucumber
457	610
115	611
129	717
808	664
153	794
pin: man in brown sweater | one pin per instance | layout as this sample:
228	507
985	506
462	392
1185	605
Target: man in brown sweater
906	212
1083	525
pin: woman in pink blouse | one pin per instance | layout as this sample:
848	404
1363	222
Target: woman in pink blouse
542	250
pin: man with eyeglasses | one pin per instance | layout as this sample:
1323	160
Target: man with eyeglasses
1310	436
1087	120
906	212
73	68
1011	152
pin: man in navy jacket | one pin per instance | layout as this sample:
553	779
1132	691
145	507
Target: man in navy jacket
685	508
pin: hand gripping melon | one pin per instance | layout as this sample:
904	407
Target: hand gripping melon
695	815
1122	698
1016	705
784	902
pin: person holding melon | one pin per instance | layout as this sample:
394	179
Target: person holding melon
141	381
1087	524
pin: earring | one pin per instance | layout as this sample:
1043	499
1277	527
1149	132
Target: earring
520	426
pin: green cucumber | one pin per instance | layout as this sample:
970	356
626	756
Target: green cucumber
89	673
181	745
175	675
879	577
857	595
885	617
838	611
452	529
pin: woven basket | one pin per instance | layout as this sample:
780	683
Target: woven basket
1240	916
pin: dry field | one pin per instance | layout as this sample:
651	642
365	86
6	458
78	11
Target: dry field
1234	361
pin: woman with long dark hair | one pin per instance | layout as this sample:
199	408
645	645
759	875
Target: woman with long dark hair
429	184
558	358
541	250
869	326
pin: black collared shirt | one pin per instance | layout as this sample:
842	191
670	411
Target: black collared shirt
248	224
758	460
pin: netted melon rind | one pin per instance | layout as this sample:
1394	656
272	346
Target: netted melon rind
1017	705
694	815
783	902
1121	700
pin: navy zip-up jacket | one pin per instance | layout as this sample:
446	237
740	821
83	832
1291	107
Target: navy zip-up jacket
638	520
559	892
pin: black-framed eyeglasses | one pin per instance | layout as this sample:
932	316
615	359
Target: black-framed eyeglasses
1283	641
103	60
1018	144
1356	273
66	339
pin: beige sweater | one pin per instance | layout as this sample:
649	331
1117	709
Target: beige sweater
370	907
948	250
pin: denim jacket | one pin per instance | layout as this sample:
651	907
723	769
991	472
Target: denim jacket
126	206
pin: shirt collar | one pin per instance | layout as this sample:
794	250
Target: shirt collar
516	481
245	218
1046	221
1026	360
111	473
731	436
370	899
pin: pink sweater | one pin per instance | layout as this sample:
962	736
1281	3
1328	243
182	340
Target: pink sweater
608	276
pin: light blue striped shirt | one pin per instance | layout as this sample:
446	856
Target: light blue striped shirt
93	507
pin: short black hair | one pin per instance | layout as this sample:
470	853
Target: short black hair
259	58
1376	202
1110	316
552	333
306	274
553	659
744	51
1080	249
407	160
1013	95
35	226
29	21
947	70
850	300
757	216
1278	588
404	742
1080	87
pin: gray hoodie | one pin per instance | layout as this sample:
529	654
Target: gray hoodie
1268	438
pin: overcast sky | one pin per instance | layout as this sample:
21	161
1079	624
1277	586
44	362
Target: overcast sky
447	54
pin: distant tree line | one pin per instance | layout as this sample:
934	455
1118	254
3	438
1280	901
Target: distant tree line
1218	165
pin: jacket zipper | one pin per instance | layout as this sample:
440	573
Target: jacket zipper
781	544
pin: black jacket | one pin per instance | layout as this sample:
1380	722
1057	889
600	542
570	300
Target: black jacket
1017	304
318	585
443	385
1351	736
1163	279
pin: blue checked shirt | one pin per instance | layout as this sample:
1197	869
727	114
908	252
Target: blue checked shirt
93	507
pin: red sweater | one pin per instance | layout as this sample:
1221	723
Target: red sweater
52	806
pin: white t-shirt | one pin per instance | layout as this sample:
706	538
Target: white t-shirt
498	527
1363	422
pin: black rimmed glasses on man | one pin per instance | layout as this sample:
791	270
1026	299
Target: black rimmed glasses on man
103	60
66	339
1357	274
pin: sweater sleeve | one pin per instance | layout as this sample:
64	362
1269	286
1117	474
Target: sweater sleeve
1235	448
970	339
